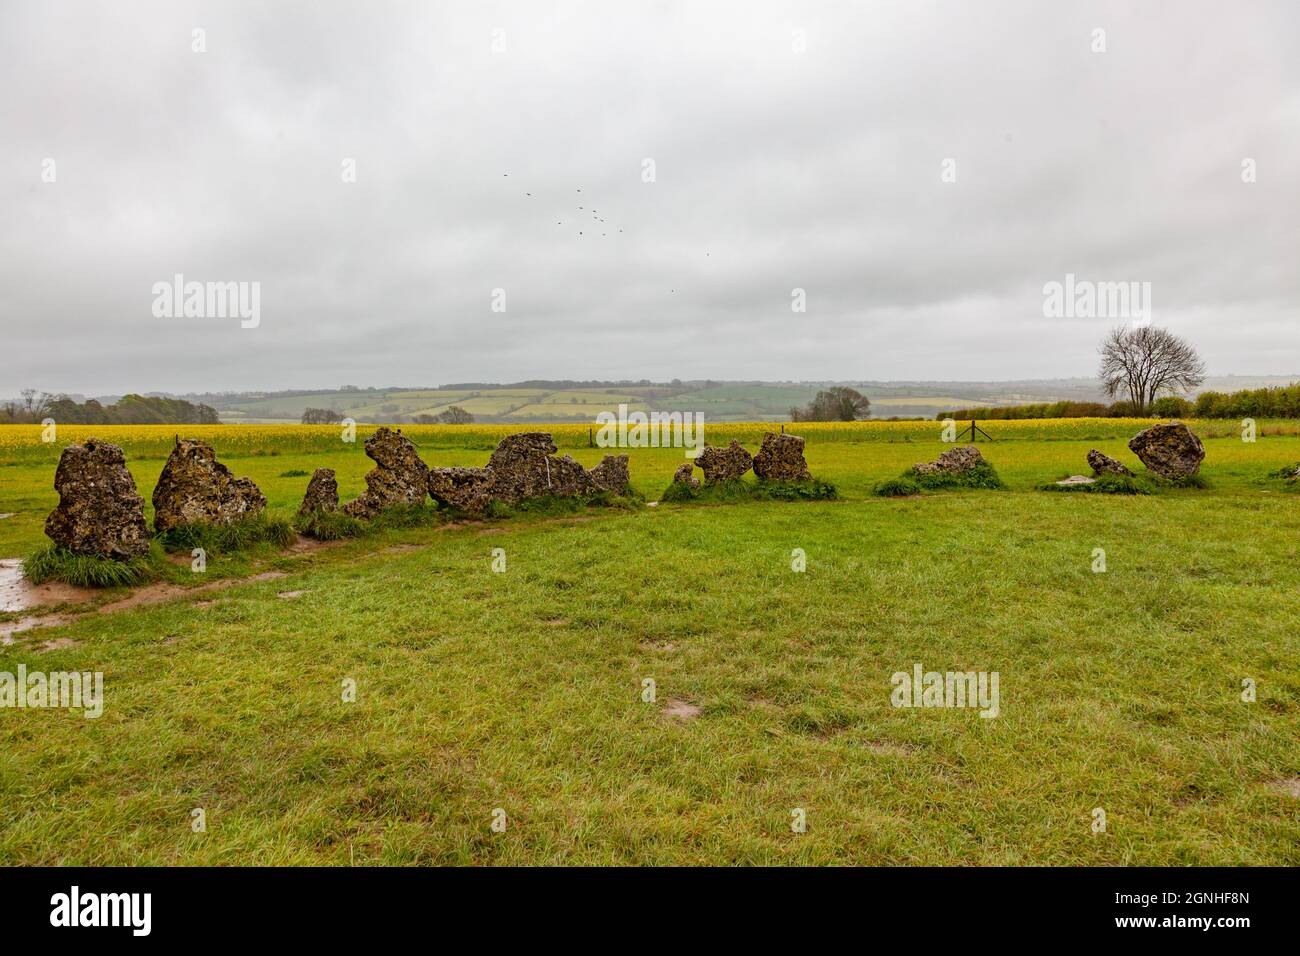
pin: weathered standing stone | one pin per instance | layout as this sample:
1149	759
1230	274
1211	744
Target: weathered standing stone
100	514
781	459
195	488
1103	464
952	462
398	478
724	464
611	474
685	474
322	493
1169	449
521	467
466	489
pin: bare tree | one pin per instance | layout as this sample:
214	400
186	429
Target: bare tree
837	404
1144	362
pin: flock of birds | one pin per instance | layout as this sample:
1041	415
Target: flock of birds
595	214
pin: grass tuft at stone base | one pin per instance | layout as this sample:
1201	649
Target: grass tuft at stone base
53	563
228	538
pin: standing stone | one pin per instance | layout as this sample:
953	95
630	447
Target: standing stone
611	474
195	488
952	462
1103	464
781	459
100	514
465	489
521	467
398	478
685	475
1169	449
724	464
322	493
568	478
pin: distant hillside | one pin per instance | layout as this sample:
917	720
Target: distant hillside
544	401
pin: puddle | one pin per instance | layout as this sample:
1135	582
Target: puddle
60	644
1290	786
18	594
676	709
9	628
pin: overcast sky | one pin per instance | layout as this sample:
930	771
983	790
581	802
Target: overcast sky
795	145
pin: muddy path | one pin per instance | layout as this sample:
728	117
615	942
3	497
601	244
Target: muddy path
17	594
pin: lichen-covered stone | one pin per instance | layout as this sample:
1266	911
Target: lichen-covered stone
398	478
781	459
569	479
322	493
952	462
100	513
611	474
1169	449
465	489
521	467
685	475
195	488
1103	464
724	464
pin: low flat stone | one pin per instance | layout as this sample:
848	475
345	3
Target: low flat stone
465	489
1103	464
1077	480
724	464
954	461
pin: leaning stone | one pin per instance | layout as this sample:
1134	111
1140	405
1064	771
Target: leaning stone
685	474
465	489
195	488
952	462
322	493
724	464
781	459
1103	464
611	474
100	514
1169	449
398	478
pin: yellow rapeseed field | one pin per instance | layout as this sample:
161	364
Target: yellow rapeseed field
24	442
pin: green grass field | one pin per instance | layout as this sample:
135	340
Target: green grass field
523	690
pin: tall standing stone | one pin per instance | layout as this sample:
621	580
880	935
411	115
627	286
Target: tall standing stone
100	514
398	478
